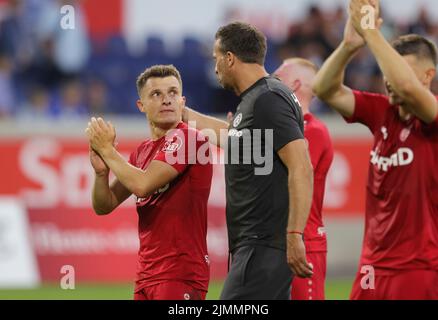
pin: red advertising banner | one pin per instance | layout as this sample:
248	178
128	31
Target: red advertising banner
346	180
53	178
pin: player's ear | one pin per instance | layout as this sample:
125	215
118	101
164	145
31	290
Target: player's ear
430	75
230	59
140	106
296	85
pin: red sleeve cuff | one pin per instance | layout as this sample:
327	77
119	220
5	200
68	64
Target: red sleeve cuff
359	100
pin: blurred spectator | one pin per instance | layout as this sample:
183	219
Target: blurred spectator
71	47
6	87
422	25
16	41
37	106
97	98
42	70
308	38
49	71
316	36
70	104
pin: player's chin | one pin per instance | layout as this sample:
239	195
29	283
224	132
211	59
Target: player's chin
168	119
221	82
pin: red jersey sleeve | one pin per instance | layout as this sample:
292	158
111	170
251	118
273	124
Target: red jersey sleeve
133	158
184	147
316	141
369	109
320	149
433	127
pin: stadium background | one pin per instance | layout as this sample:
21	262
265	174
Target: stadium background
52	80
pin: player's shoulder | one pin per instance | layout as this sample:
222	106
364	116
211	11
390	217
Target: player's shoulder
277	94
140	149
276	87
273	83
371	97
143	145
314	124
189	132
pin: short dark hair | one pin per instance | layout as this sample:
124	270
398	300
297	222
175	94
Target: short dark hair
157	71
244	40
416	45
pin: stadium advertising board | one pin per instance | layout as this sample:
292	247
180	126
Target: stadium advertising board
53	179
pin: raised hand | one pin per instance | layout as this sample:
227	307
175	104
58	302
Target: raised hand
99	166
101	135
352	39
362	14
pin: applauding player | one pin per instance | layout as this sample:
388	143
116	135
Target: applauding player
400	249
172	187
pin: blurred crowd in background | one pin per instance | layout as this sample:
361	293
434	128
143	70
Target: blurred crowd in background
48	73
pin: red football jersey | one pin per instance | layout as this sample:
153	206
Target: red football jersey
173	221
321	155
401	218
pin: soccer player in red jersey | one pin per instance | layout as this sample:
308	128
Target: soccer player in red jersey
170	175
400	250
298	74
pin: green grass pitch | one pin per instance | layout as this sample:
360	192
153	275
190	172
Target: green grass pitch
335	290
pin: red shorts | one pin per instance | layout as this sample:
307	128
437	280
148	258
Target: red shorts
170	290
311	288
406	285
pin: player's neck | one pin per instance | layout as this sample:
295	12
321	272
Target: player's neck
304	101
404	114
158	131
249	74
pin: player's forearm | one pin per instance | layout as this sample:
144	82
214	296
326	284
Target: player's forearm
403	80
330	77
131	177
395	69
300	196
102	197
215	129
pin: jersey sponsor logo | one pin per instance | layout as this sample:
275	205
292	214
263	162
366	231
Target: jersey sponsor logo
237	120
207	259
403	157
171	146
186	296
404	134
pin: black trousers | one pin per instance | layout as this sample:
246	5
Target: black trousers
258	273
